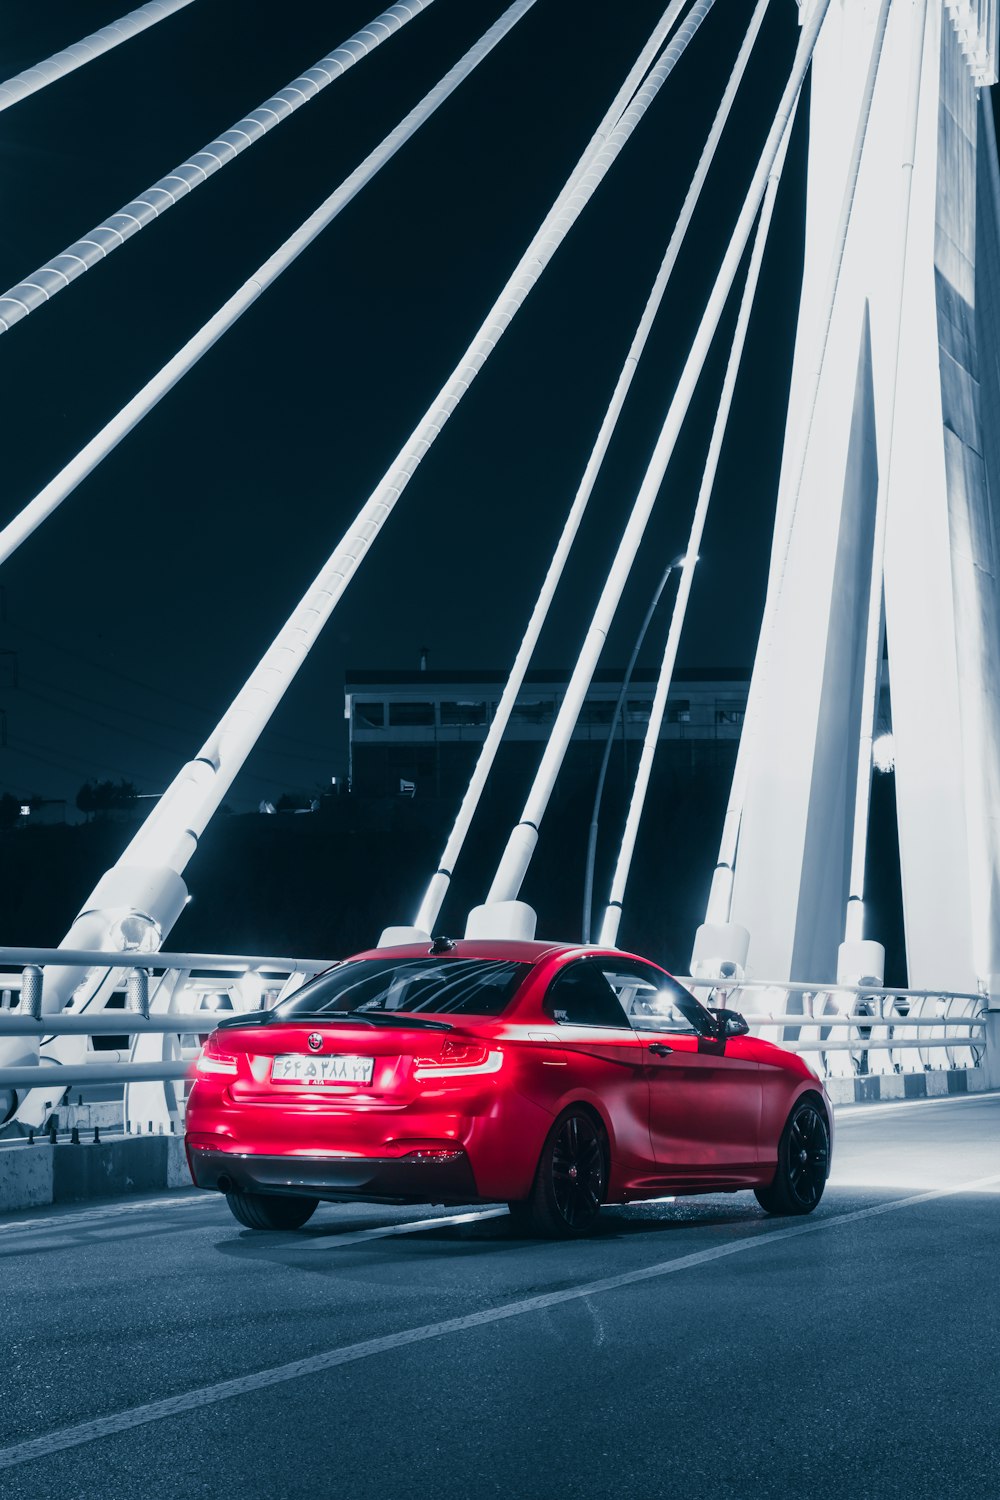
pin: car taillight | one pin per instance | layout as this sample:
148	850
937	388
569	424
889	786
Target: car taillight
212	1060
458	1059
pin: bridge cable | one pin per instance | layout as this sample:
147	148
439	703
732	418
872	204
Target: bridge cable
613	912
720	897
437	890
95	246
170	834
524	836
21	85
52	495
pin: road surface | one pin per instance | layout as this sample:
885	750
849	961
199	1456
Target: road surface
696	1348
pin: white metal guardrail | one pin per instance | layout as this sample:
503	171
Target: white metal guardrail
857	1030
159	1006
156	1006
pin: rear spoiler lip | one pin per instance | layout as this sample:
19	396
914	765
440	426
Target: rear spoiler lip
264	1017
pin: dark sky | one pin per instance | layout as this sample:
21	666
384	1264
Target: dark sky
138	610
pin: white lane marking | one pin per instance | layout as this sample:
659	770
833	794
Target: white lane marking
225	1390
351	1236
96	1215
847	1112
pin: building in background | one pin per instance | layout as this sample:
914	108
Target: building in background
419	732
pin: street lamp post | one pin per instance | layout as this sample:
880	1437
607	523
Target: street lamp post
588	887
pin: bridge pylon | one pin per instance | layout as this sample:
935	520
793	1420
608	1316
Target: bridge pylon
904	362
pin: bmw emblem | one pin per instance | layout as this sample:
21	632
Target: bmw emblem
315	1041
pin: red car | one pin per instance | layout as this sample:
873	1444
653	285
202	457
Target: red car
551	1077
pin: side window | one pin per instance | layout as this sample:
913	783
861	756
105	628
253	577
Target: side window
655	1002
582	996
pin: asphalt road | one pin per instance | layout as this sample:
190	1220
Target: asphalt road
693	1349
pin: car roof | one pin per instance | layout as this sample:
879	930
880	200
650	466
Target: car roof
496	948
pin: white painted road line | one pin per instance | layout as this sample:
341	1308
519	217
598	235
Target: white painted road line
112	1211
412	1226
225	1390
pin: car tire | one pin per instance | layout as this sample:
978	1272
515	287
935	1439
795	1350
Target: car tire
571	1180
262	1211
803	1163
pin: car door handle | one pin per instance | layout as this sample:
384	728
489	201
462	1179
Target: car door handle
660	1049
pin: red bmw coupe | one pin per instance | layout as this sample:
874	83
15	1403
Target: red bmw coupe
550	1077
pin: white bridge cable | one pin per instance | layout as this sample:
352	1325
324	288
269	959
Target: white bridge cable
613	912
170	834
523	838
94	247
875	625
720	898
437	890
21	85
142	403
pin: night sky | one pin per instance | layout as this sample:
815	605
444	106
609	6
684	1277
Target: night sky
138	610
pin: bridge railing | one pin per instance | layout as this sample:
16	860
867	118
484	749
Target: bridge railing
857	1030
135	1019
139	1019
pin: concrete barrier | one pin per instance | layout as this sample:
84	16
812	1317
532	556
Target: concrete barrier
108	1169
178	1172
40	1174
107	1114
25	1177
875	1088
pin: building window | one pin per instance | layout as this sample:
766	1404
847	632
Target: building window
532	711
597	711
411	715
369	715
463	712
679	711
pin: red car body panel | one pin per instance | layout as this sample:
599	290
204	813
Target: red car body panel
699	1115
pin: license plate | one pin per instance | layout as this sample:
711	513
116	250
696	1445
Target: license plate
293	1067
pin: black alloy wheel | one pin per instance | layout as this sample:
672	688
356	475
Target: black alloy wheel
803	1163
263	1211
571	1180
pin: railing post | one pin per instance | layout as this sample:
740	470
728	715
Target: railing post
991	1015
137	992
31	991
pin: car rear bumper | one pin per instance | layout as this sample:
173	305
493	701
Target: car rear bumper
408	1179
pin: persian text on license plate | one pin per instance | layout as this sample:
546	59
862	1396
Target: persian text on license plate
293	1067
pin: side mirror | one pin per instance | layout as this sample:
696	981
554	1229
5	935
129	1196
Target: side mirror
730	1023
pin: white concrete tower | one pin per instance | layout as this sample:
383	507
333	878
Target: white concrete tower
903	363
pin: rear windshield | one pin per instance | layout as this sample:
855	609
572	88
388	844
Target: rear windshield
438	986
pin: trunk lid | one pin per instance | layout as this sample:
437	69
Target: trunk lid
356	1062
